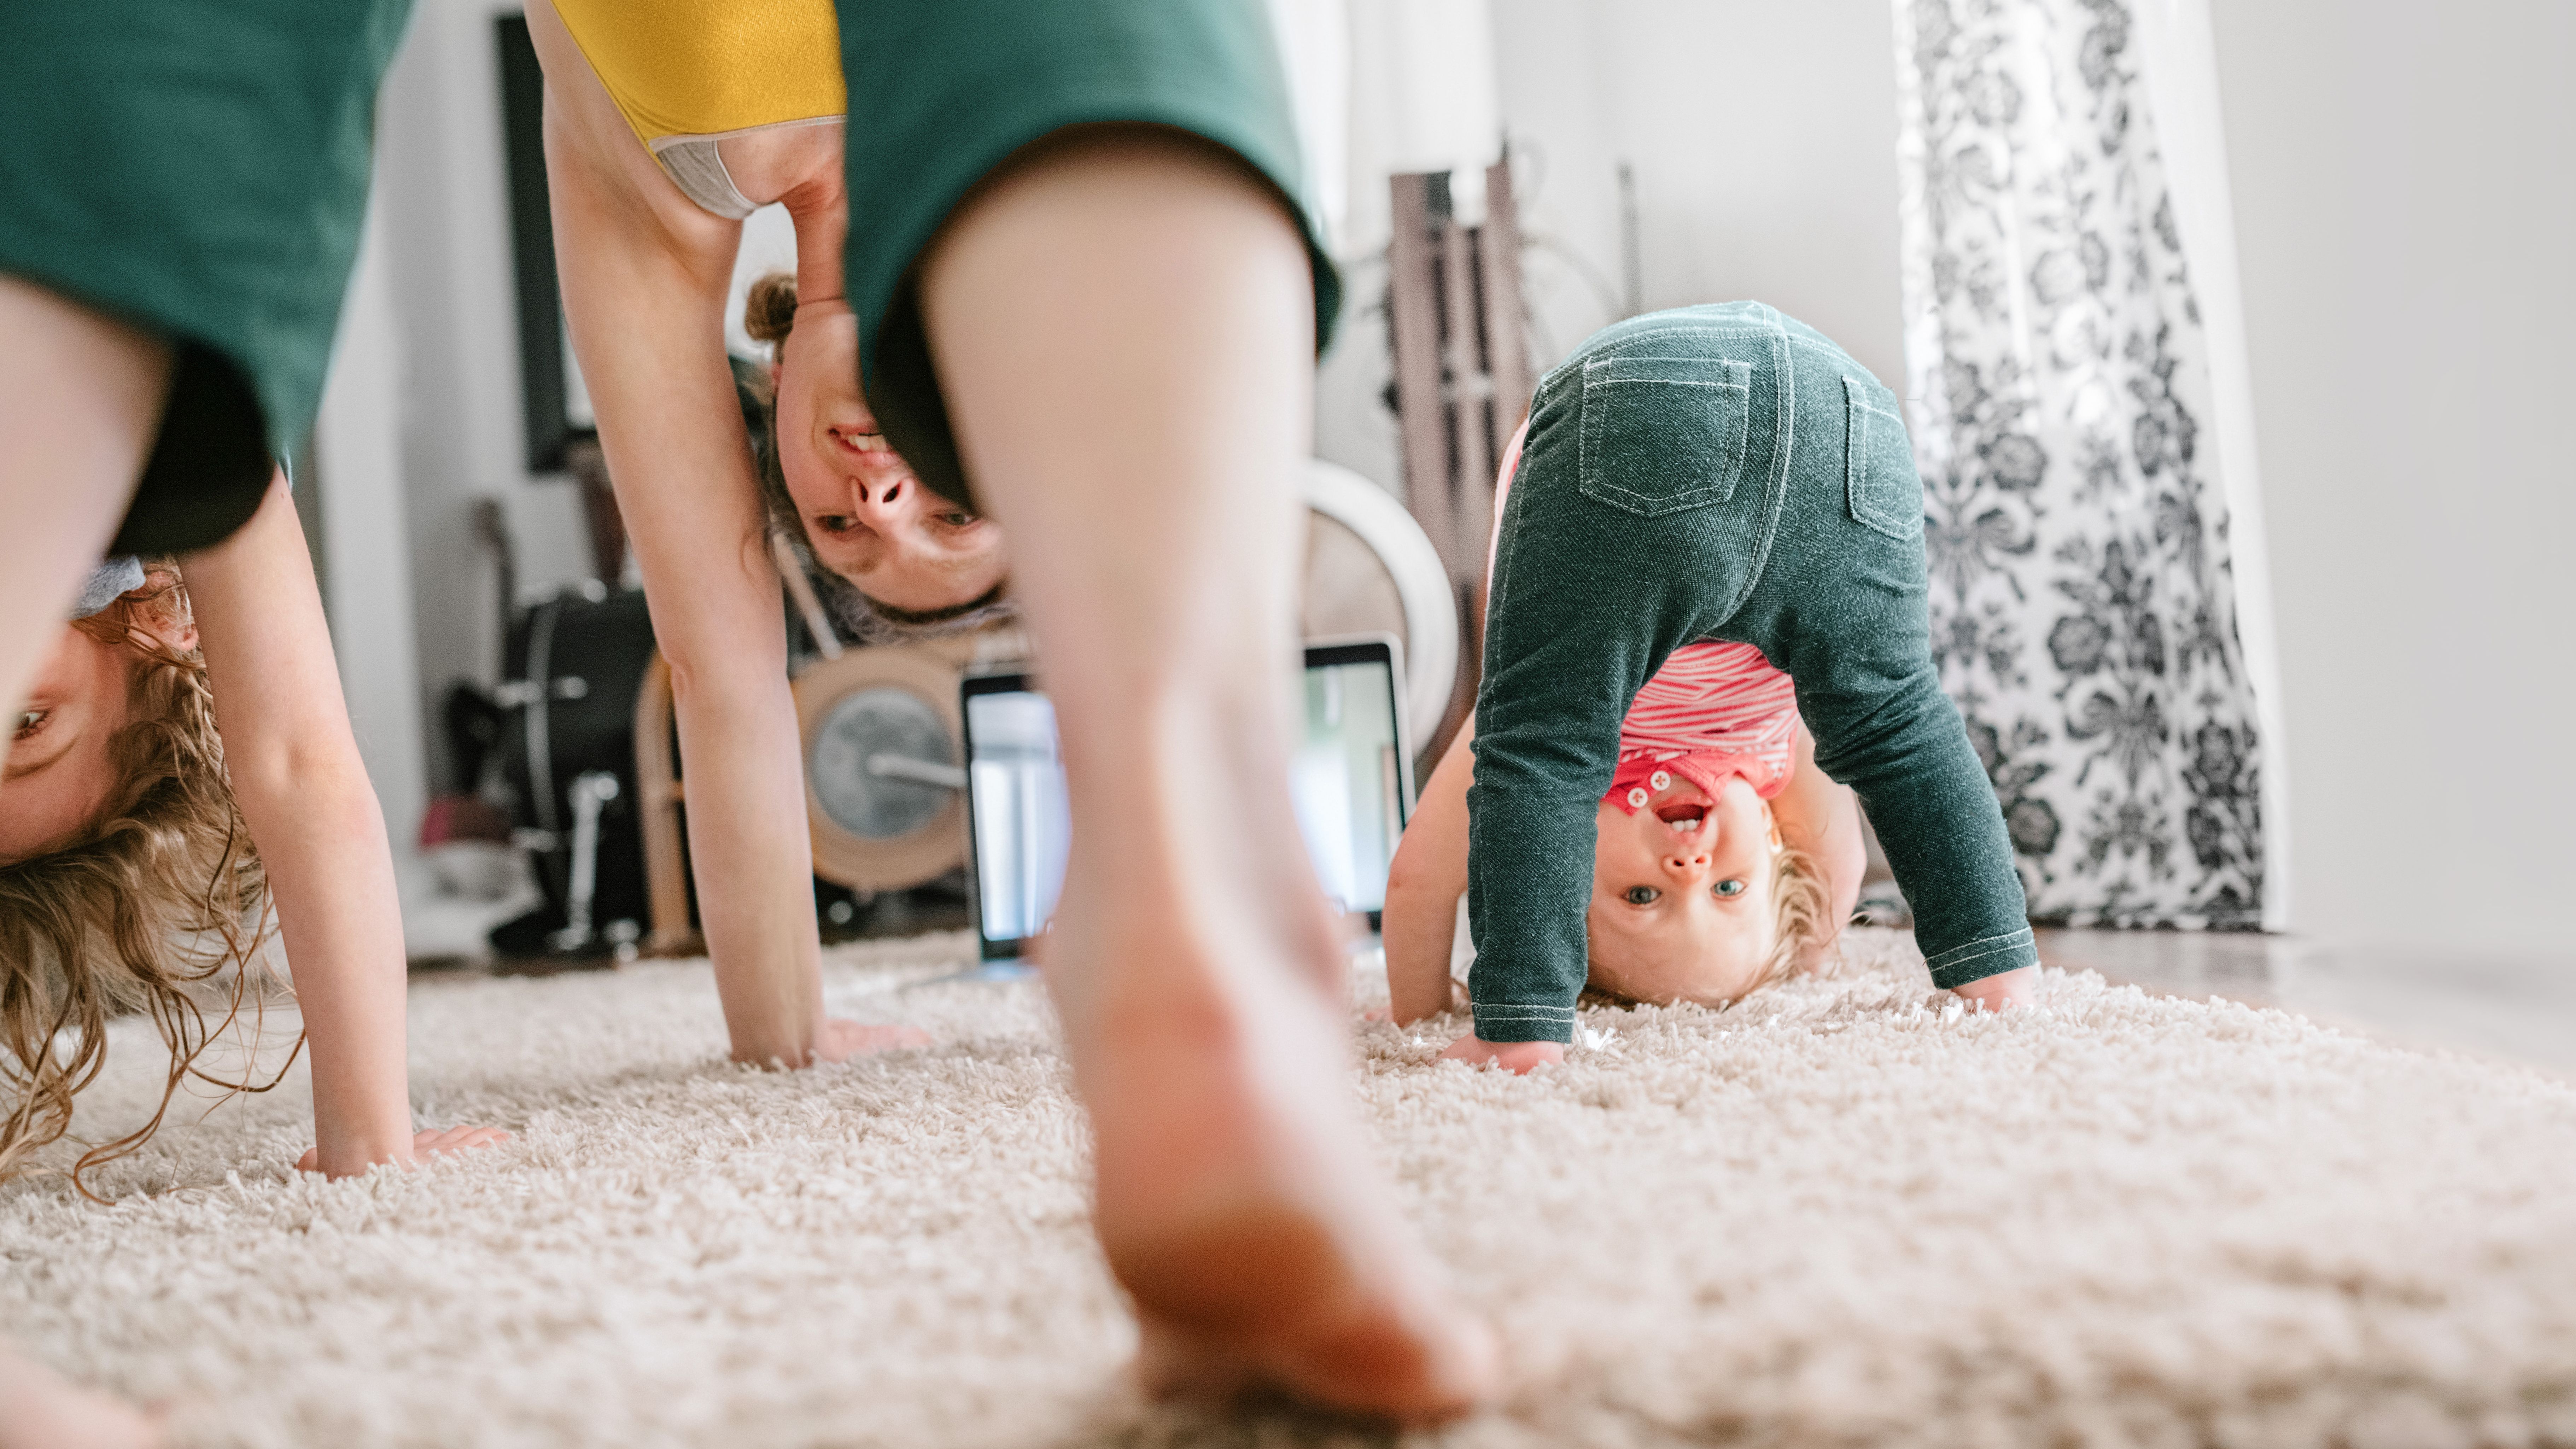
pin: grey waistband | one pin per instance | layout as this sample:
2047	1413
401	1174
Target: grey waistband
107	581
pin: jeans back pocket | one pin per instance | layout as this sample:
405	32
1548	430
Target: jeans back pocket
1664	434
1878	464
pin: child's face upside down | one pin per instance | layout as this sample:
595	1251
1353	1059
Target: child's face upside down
61	770
1682	895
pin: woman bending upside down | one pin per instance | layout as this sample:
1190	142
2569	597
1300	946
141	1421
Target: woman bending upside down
1081	294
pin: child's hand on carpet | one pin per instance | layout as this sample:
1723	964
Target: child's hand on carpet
1517	1057
1994	993
840	1040
423	1145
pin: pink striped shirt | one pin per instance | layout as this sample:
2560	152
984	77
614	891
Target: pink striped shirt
1715	709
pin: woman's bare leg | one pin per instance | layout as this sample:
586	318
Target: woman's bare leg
1124	329
80	398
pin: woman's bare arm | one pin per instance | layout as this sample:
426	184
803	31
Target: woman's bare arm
1822	819
312	813
645	275
1423	887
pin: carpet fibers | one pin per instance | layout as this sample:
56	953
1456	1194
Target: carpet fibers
1842	1213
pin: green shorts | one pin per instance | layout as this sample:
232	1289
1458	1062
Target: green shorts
944	91
197	168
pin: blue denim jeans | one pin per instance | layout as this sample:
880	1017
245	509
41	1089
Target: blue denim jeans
1716	472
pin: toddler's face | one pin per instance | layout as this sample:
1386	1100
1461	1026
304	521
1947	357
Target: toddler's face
1682	894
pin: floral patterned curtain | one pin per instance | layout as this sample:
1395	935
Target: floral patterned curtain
2083	600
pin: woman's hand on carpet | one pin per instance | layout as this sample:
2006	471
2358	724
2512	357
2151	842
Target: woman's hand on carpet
839	1040
424	1145
1517	1057
1994	993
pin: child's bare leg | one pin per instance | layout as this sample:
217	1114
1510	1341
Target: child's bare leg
1123	327
80	397
38	1410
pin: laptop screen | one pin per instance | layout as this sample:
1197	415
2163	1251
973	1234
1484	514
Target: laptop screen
1350	779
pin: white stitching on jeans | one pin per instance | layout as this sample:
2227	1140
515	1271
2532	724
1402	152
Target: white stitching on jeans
1996	943
1953	956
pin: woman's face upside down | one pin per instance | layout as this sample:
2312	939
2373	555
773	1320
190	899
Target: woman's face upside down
865	515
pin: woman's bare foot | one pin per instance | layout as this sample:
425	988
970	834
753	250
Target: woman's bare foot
1123	320
39	1410
1237	1203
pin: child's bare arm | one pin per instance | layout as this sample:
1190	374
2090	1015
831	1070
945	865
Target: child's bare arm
1423	886
313	814
1821	819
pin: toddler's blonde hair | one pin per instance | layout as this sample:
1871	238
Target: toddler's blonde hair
161	893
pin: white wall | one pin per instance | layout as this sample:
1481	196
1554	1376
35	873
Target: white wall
440	184
366	588
2407	232
1763	138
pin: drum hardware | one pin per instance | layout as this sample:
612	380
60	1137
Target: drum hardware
591	790
572	657
519	693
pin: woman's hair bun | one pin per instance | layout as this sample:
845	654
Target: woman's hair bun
770	311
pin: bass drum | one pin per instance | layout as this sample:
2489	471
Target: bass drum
574	663
885	762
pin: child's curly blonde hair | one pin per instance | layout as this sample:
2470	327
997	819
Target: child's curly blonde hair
160	894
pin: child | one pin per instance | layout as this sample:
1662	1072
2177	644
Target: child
1725	474
142	771
1722	858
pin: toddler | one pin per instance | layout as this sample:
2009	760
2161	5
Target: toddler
1722	858
1715	474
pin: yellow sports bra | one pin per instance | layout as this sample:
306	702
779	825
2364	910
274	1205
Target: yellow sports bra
686	74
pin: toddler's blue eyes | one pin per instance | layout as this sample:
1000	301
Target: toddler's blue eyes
1728	888
1641	895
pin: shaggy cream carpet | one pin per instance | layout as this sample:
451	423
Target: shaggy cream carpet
1839	1214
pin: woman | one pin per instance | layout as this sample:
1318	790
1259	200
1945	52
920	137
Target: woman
1078	293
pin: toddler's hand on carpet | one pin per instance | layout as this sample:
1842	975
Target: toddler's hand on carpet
1519	1057
839	1040
423	1145
1994	993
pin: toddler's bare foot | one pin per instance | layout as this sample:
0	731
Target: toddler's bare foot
1237	1203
